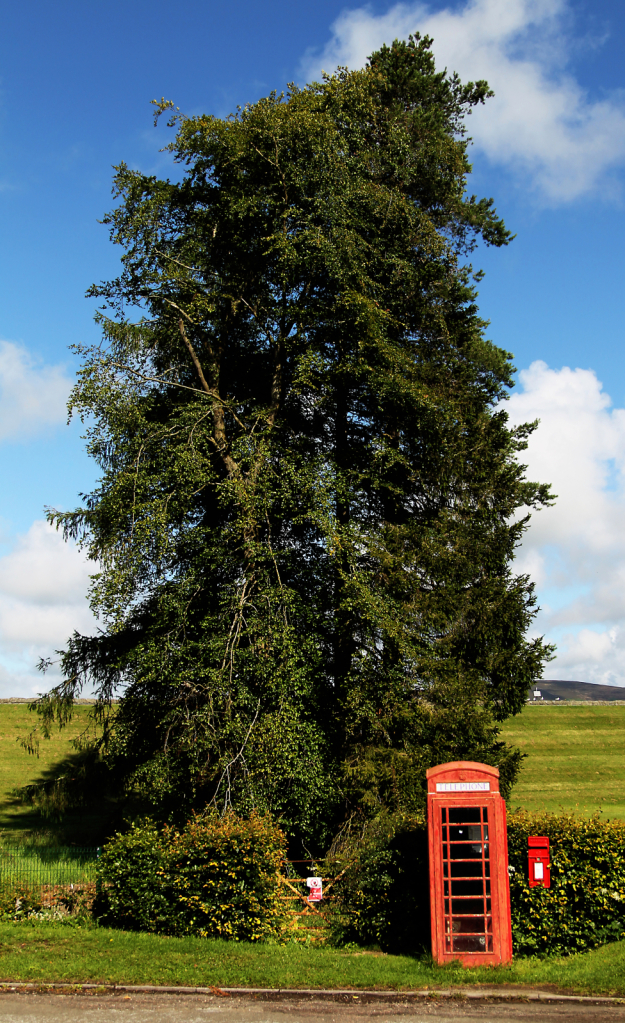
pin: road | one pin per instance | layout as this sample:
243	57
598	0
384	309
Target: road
34	1008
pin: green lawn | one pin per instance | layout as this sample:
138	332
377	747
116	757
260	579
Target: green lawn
18	768
48	953
576	758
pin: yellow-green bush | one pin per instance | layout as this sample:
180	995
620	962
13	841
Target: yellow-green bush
585	905
218	877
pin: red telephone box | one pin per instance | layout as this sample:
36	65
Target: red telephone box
538	857
469	886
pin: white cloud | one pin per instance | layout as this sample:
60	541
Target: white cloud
541	123
32	396
43	584
575	551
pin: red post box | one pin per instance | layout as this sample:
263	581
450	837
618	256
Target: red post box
469	885
538	857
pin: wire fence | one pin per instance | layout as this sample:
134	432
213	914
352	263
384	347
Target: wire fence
35	867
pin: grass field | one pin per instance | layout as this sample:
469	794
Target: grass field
576	761
48	953
576	758
18	768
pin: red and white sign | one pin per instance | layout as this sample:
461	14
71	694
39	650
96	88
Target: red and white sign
315	889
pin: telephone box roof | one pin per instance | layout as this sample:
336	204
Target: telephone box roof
462	771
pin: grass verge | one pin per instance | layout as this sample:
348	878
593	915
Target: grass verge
41	952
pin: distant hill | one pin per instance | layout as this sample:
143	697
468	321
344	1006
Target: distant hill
552	689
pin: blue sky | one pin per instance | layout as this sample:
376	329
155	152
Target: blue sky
76	82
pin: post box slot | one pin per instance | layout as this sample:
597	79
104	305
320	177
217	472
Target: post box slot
466	868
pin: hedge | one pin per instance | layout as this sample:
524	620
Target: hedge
585	905
383	896
218	877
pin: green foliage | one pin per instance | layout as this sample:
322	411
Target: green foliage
224	873
384	895
131	871
309	498
585	905
218	877
20	900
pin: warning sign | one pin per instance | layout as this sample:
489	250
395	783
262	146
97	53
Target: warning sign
315	889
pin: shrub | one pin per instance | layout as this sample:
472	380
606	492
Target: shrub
225	876
22	901
585	905
18	901
383	897
218	877
131	871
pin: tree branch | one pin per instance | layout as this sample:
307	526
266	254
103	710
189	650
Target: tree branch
196	362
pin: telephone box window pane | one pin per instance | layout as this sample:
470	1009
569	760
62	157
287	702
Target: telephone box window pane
468	925
470	832
461	851
445	866
464	814
485	813
465	869
445	834
486	832
466	887
466	832
470	943
459	907
444	813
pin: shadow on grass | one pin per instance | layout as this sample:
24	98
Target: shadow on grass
71	802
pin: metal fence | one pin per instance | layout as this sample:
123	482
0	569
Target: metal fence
35	867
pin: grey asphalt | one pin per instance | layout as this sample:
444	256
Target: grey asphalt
46	1008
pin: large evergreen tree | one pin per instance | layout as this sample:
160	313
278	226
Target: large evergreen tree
310	499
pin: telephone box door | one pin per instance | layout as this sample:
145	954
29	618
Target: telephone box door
469	886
